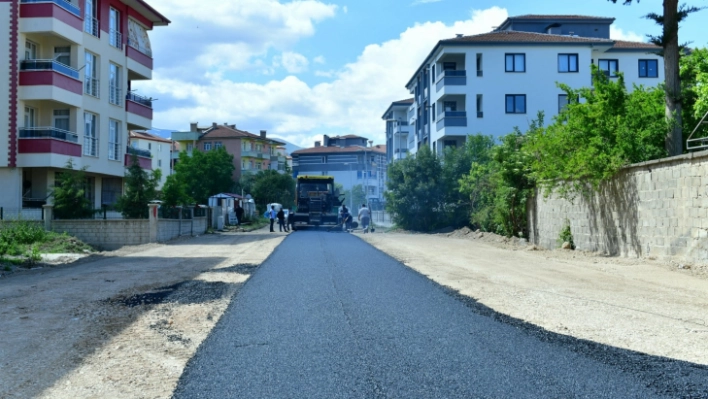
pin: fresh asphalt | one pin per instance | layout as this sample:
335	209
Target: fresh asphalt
329	316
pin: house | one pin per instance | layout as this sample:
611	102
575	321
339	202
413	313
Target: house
158	147
492	82
252	153
67	77
349	160
398	129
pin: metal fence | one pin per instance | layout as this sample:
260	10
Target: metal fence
21	213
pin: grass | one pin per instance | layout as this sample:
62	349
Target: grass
20	238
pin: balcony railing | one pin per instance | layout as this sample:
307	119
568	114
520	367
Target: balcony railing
49	65
90	146
139	152
114	151
139	99
91	26
459	72
91	87
132	43
61	3
114	96
452	119
116	39
48	132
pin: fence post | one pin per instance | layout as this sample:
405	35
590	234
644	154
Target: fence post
48	214
153	222
179	232
1	212
191	225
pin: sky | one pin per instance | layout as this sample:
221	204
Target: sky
301	69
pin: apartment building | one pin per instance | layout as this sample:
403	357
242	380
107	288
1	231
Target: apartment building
66	93
159	149
398	129
349	159
252	152
492	82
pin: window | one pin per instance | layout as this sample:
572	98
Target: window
562	102
432	69
425	114
115	38
480	106
433	112
159	163
62	54
516	103
159	148
113	139
90	21
30	117
149	146
259	165
243	164
114	87
217	145
648	68
90	134
610	67
111	190
61	119
30	50
567	63
515	63
207	146
190	147
91	75
449	66
449	143
479	64
450	106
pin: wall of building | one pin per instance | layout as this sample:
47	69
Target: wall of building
657	208
5	77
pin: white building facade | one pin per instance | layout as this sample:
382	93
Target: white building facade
72	64
491	83
159	150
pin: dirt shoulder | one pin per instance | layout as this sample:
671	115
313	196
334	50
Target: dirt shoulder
658	308
120	324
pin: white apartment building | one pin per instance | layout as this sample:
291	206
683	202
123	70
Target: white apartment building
65	93
158	148
493	82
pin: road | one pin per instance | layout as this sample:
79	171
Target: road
329	316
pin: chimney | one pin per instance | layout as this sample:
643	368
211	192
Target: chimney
213	125
317	143
263	134
233	126
193	127
459	35
326	140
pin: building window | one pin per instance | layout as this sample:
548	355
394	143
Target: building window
479	64
449	66
149	146
30	117
562	102
609	67
62	54
30	50
218	145
207	146
115	38
159	163
450	106
433	112
567	63
90	134
515	63
159	148
91	75
480	106
190	147
114	87
432	74
90	21
113	139
61	119
648	68
516	103
111	190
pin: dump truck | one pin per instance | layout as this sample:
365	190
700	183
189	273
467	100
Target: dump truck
316	202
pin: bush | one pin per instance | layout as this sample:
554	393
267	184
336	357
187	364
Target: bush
566	235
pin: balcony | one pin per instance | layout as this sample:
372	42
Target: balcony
49	65
61	3
114	96
90	146
91	87
139	110
144	157
452	119
452	78
252	154
185	136
48	140
139	59
91	26
115	39
144	101
59	18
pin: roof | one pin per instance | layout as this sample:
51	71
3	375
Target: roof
227	132
148	12
509	37
405	102
148	136
560	17
226	195
340	150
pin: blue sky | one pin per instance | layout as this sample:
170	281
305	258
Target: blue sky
300	69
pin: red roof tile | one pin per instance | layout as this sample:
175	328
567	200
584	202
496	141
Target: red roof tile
621	44
227	132
524	37
148	136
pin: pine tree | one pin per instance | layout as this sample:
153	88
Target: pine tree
70	200
139	190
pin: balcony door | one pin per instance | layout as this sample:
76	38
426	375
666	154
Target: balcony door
61	119
90	22
115	38
62	55
90	134
31	50
30	117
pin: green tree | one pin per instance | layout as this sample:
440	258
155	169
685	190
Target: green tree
140	189
174	192
694	81
591	140
70	193
354	197
203	174
269	187
475	184
415	192
669	20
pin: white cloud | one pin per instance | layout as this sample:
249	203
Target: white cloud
319	60
352	100
293	62
619	34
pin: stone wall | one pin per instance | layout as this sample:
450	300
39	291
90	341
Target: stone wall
656	208
106	234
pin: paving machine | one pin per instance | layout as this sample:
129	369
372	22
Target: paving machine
316	202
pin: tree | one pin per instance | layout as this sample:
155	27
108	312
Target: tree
355	197
70	199
694	82
203	174
672	15
269	187
415	192
140	189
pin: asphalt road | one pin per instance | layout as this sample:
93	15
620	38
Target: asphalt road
328	316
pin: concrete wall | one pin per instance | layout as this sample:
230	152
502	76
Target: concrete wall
657	208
